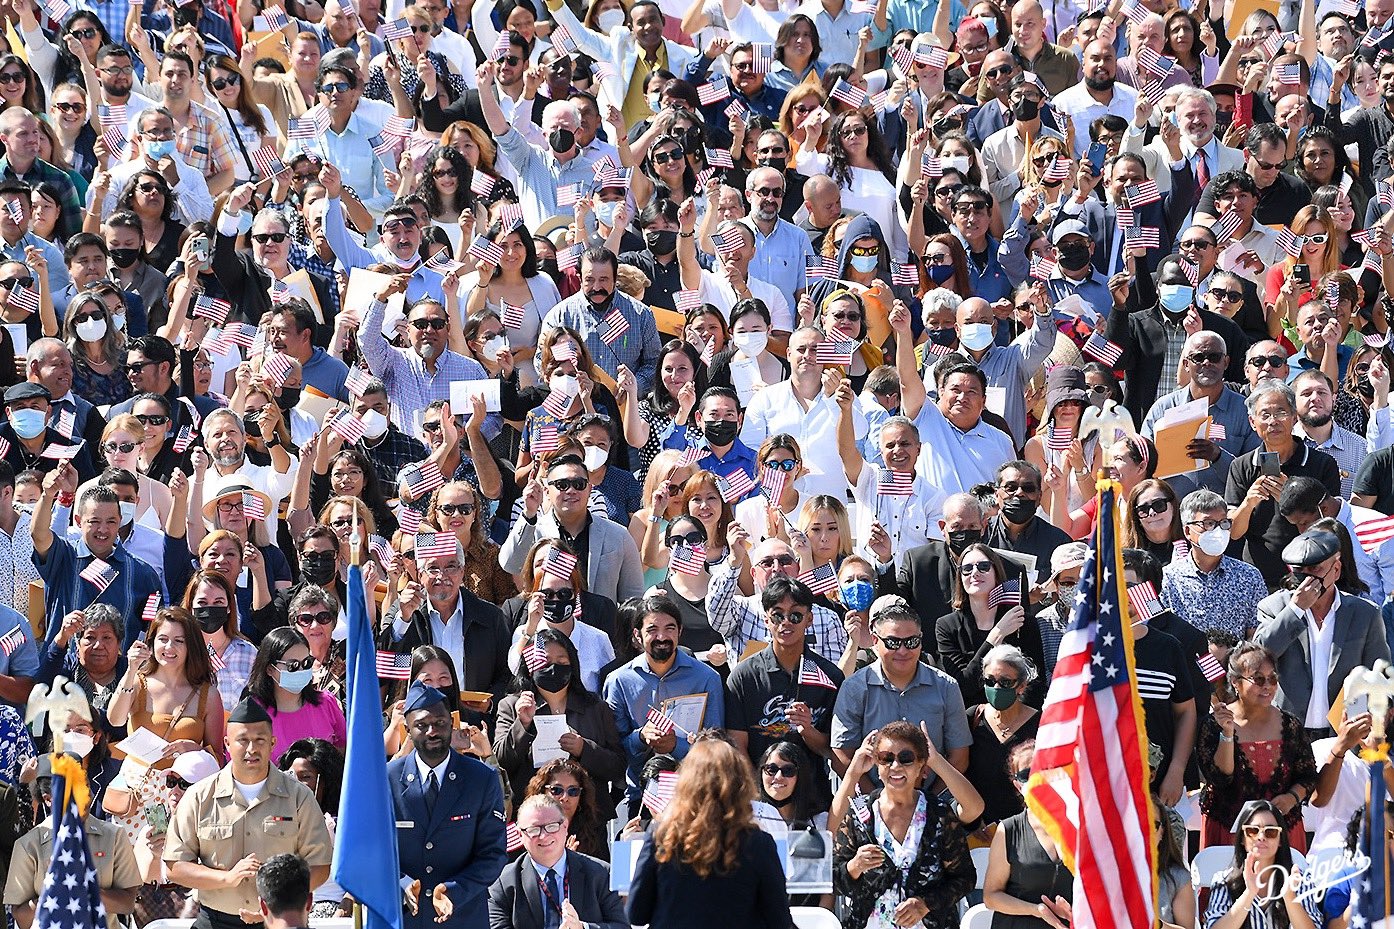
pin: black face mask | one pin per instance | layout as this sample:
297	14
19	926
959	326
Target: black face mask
123	257
1026	108
1074	257
661	241
553	678
959	539
720	433
556	613
561	141
1019	510
289	397
779	164
548	266
1364	387
210	618
318	567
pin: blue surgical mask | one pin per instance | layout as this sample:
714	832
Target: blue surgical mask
857	595
940	274
865	264
155	149
605	212
296	681
975	336
28	424
1176	298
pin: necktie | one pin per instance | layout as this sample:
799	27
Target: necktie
1202	170
432	791
552	919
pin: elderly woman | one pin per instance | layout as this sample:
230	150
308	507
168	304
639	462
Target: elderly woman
314	612
96	664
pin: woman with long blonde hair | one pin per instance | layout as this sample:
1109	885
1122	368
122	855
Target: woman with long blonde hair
1319	252
706	862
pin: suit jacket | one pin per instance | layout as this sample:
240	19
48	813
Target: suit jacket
486	636
619	48
515	899
1358	641
459	844
603	757
240	274
926	581
613	568
1158	161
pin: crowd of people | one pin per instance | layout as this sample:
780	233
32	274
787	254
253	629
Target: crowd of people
714	397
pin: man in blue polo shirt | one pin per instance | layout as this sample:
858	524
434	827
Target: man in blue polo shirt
718	425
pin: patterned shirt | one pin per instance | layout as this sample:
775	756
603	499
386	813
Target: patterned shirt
739	619
1226	598
237	661
1347	448
204	142
17	565
43	172
410	385
392	454
16	747
1260	916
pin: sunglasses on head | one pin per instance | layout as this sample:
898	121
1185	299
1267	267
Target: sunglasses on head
779	770
905	758
400	222
895	643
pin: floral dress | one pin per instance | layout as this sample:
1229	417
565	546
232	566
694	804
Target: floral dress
16	747
376	88
901	855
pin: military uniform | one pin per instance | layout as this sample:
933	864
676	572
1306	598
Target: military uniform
111	852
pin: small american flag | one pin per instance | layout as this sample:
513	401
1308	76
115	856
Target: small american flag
728	241
893	483
398	127
502	47
1226	226
24	298
613	326
4	447
1142	194
1060	439
398	29
151	608
933	55
1385	192
1373	261
834	353
442	263
708	351
689	559
12	640
481	184
57	452
1143	237
535	654
658	793
1272	44
512	837
114	138
393	667
719	158
559	564
903	59
436	545
1192	271
1153	91
423	478
905	275
267	162
113	116
687	300
212	309
772	481
1180	549
215	661
71	896
1135	11
849	94
510	217
694	453
1364	236
1373	533
660	720
56	10
1288	73
1101	349
1042	267
99	574
1127	217
1210	666
736	109
510	314
482	249
860	807
1144	601
312	125
931	166
547	440
1215	432
280	293
1007	592
1154	61
1290	243
569	257
735	486
822	579
384	147
66	421
277	368
762	61
243	335
357	381
1333	295
814	676
347	425
1376	340
1057	170
253	507
275	18
15	212
409	519
568	194
558	402
820	266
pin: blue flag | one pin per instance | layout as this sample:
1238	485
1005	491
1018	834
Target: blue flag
72	896
367	821
1371	896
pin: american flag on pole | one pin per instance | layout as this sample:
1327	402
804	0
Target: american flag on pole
933	55
72	896
1373	533
1288	73
114	138
658	793
1376	340
613	326
215	661
1153	91
312	125
1154	61
1143	237
1226	226
481	184
714	91
66	421
660	720
735	486
212	309
1057	170
276	19
719	158
442	263
1215	432
423	478
348	425
436	545
357	381
253	507
1101	349
278	368
484	250
547	440
557	402
1006	592
1042	267
151	608
24	298
1210	666
850	94
535	654
267	162
728	241
1126	216
559	564
1089	778
1290	242
820	266
12	640
687	300
1144	601
772	481
114	116
99	574
814	676
1142	194
893	483
822	579
763	60
511	314
737	109
1370	900
15	212
688	559
1192	271
393	667
834	352
568	194
931	166
397	29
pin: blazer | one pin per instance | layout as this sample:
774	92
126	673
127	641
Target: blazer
619	48
240	274
603	757
515	899
486	637
1357	641
613	567
1158	161
926	581
671	895
462	838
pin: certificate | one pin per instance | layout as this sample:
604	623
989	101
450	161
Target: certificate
144	746
686	712
547	746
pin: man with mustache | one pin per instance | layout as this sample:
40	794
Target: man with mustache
589	313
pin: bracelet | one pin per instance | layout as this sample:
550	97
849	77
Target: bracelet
687	235
1226	738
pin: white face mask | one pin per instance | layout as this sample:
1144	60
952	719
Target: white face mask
91	330
751	343
655	102
408	262
78	743
975	336
957	163
118	321
492	347
1214	542
374	424
565	384
128	513
606	211
596	457
609	20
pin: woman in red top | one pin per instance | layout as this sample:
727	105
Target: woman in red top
1320	253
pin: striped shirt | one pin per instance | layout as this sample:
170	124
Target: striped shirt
739	619
1260	916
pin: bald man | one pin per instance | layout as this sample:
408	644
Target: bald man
822	204
1057	66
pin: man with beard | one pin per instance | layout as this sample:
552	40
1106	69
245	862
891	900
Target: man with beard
772	150
746	85
659	672
1054	65
591	313
116	78
1204	359
225	441
1098	94
925	575
658	260
780	246
1203	155
399	245
1005	150
1315	402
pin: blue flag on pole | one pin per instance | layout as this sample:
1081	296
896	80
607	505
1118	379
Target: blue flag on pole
1371	896
372	879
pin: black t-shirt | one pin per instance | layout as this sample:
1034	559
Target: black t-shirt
1268	531
664	279
1277	204
1376	479
1163	680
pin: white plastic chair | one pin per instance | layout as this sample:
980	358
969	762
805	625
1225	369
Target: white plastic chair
1209	863
332	922
977	917
814	917
169	924
980	857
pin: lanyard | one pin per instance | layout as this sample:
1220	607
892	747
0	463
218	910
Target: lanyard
565	891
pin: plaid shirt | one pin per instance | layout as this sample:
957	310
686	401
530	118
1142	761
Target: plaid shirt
204	142
411	386
739	619
43	172
391	455
237	670
301	257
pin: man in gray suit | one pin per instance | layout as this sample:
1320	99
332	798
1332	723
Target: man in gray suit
609	558
1316	633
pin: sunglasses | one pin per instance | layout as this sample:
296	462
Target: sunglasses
124	448
14	282
261	238
1152	508
149	188
967	209
455	509
1000	71
336	87
662	158
12	77
896	643
443	172
70	107
291	667
558	790
313	619
1262	680
770	561
787	466
1205	358
569	483
1025	487
1009	683
174	780
780	770
1265	165
1318	239
905	758
852	132
969	568
401	222
84	33
1022	776
692	538
564	595
1195	243
432	322
223	83
511	60
150	419
1270	361
1228	296
1267	832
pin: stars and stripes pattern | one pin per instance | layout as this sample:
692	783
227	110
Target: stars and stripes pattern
932	55
737	109
212	309
24	298
685	301
762	60
12	640
277	368
397	29
1126	216
735	486
1042	267
215	661
312	125
1057	170
1089	777
436	545
658	793
820	266
1142	194
393	667
253	507
814	676
409	519
719	158
357	381
559	564
423	478
822	579
481	184
547	440
15	212
660	720
1288	73
276	19
511	314
557	402
512	837
1215	432
688	559
1373	533
1290	242
267	162
72	896
535	654
834	352
1192	271
905	275
568	194
1101	349
151	608
850	94
893	483
1060	439
728	240
772	481
484	250
714	91
931	166
67	420
613	326
1333	294
1153	61
113	115
1144	601
56	452
114	138
99	574
1376	340
1142	237
1370	900
1210	666
1008	592
569	257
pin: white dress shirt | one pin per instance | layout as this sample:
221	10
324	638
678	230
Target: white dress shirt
775	409
1319	639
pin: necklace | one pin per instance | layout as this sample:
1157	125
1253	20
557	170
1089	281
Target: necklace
999	726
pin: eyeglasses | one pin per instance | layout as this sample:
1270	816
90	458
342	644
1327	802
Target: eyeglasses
692	538
969	568
1022	776
1210	525
261	238
768	191
569	483
12	77
1228	296
1318	239
551	828
1205	358
150	188
851	132
779	770
14	282
147	419
85	33
787	466
455	509
118	71
399	222
125	448
335	87
315	619
303	664
1026	487
431	322
558	790
1010	683
1262	680
223	83
1195	243
1267	832
70	107
662	158
1267	361
769	561
1152	508
229	506
1265	165
896	643
905	758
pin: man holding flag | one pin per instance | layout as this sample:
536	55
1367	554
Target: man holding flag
1089	779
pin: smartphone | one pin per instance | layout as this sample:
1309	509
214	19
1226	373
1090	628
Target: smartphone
1302	274
199	249
1243	110
1098	154
157	815
1268	464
